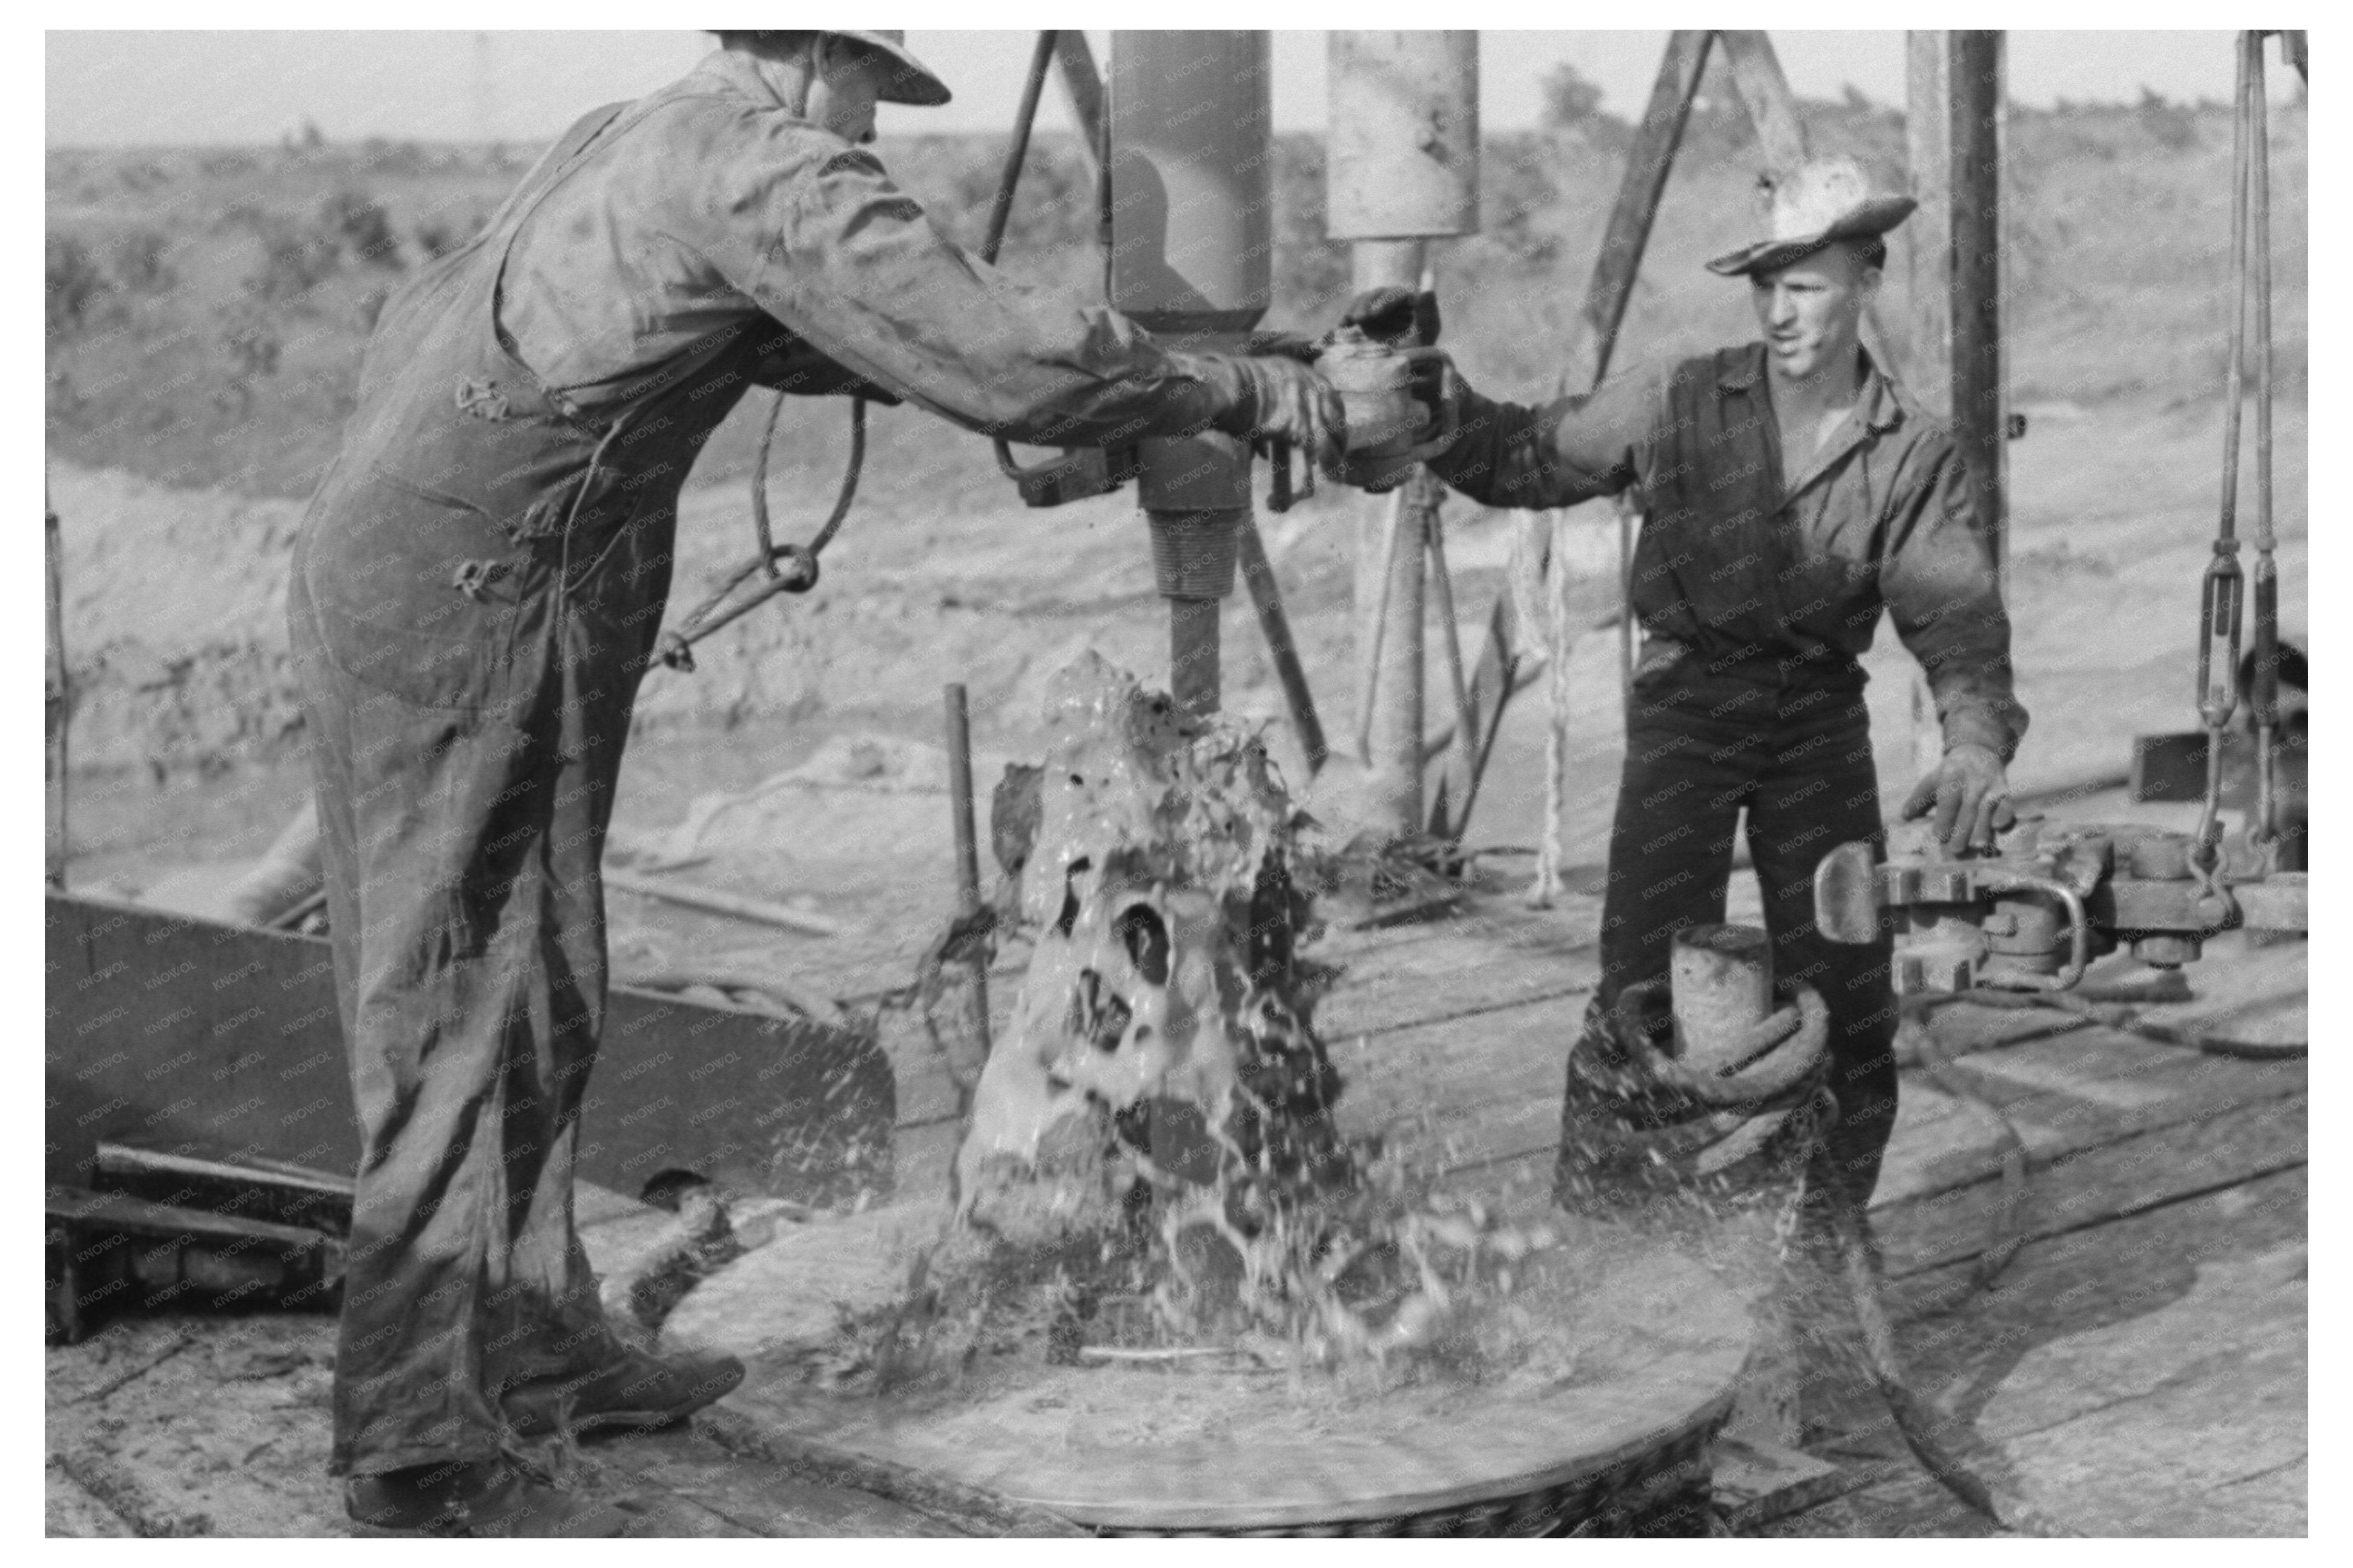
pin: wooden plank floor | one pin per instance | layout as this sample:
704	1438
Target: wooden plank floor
207	1424
2139	1367
2139	1363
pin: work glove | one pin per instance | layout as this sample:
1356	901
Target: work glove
1282	345
1265	399
1398	317
1404	319
1969	793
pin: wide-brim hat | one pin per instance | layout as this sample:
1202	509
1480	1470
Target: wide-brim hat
909	80
1821	203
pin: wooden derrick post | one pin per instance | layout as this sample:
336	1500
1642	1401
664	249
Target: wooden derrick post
1954	123
1979	416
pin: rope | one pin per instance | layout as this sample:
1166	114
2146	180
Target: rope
675	647
2125	1021
1558	636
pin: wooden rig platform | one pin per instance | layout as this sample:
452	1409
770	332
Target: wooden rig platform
2139	1363
2139	1360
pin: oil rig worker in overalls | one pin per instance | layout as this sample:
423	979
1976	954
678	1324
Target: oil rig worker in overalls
1791	491
475	596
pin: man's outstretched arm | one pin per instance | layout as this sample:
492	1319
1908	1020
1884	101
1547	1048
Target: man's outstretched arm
1554	454
814	232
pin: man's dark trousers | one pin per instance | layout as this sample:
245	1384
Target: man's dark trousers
1794	752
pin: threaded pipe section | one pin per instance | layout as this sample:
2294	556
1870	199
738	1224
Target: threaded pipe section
1192	552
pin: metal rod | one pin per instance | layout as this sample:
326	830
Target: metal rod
2221	589
58	699
1395	732
960	799
2264	687
2226	526
1000	212
1391	723
1368	664
1266	596
1466	743
967	845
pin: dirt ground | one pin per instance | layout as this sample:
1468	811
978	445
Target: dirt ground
173	601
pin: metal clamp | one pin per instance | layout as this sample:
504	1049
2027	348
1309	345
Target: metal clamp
2079	929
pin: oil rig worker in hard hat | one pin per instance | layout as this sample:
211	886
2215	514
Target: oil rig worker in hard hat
1792	491
475	595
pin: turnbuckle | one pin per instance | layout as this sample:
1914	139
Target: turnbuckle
2221	599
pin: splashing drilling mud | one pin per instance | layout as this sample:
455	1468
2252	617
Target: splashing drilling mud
1152	1172
1168	1293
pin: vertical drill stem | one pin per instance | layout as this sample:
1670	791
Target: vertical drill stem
1392	726
1194	654
1466	745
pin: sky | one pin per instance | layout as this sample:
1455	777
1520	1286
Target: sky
134	88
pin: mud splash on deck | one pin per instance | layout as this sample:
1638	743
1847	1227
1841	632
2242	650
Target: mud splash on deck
1152	1172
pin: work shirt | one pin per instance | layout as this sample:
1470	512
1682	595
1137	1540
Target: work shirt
718	211
1754	574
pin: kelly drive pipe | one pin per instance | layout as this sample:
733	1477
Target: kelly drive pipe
1191	259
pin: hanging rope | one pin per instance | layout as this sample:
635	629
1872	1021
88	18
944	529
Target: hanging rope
675	647
1558	636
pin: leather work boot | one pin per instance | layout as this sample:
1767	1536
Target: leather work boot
484	1499
634	1392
